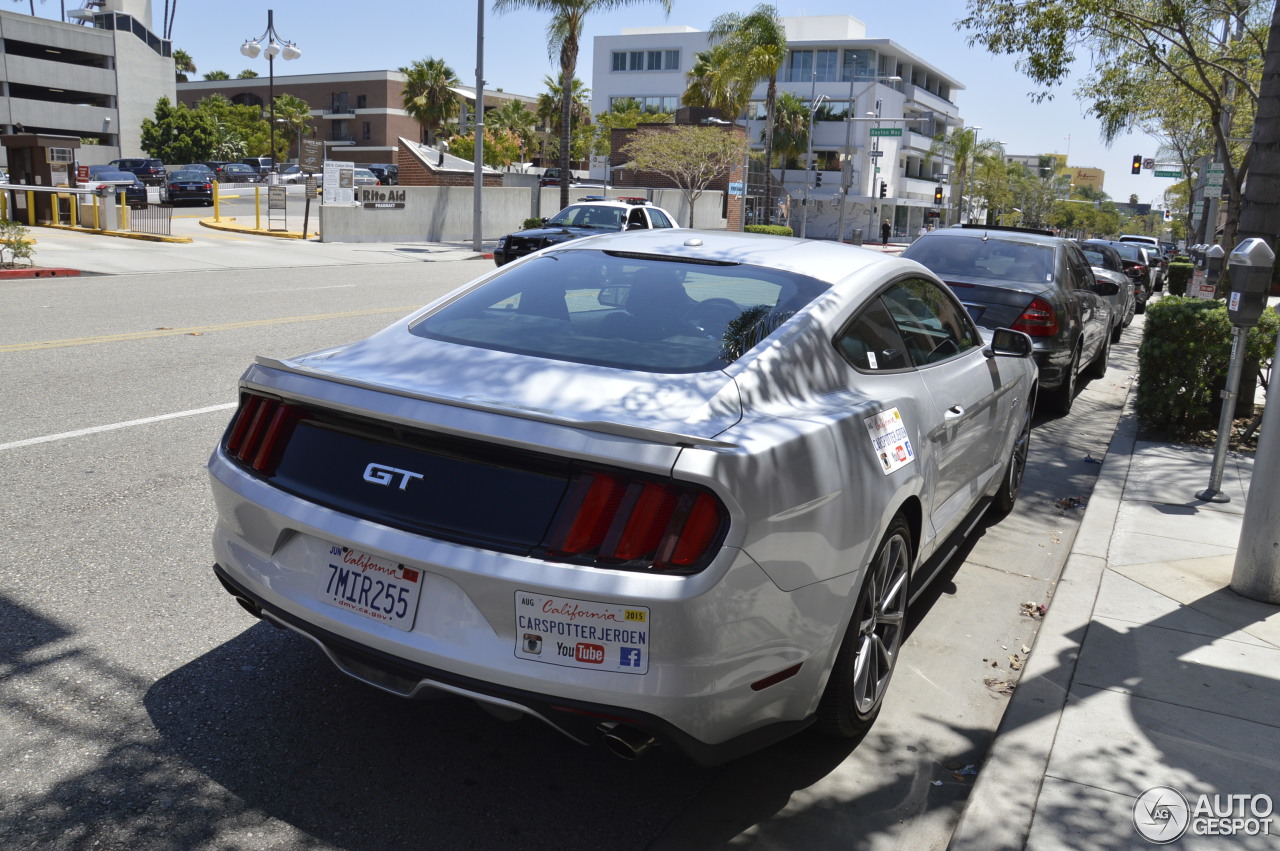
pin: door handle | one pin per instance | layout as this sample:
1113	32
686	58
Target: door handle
954	411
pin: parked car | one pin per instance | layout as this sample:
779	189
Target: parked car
200	167
656	487
583	219
238	173
388	174
1106	265
149	171
126	183
292	174
191	186
1157	256
1138	266
262	165
551	177
364	177
1034	282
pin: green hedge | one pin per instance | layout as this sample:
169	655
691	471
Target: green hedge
1184	356
775	230
1179	277
532	222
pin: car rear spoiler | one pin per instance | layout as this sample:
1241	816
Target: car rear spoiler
647	435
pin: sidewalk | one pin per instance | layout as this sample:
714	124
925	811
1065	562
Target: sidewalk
1147	671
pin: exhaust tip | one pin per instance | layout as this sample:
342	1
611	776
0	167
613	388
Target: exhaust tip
626	742
249	607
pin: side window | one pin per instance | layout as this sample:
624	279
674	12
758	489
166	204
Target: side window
1081	274
659	220
932	325
636	220
871	341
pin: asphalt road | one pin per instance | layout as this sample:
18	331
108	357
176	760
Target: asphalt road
141	708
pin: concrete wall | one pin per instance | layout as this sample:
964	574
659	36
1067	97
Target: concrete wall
444	213
142	78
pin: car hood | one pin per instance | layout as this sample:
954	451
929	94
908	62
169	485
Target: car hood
646	405
560	230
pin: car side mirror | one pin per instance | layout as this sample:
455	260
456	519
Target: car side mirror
1005	342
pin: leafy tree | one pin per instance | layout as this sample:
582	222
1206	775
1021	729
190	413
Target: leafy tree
217	75
293	120
690	156
626	115
239	131
520	120
428	95
178	134
1207	52
757	43
961	146
183	65
563	35
501	146
247	74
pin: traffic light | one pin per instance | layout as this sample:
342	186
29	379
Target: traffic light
937	195
1137	164
817	178
884	189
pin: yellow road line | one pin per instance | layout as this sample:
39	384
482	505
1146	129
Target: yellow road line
197	329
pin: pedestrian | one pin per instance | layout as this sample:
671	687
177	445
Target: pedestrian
885	230
923	230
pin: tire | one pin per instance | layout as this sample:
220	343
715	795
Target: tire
1098	366
1061	397
869	650
1117	331
1007	496
1140	306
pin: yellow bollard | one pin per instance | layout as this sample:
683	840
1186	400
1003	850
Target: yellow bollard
4	203
124	213
257	207
217	203
31	208
75	211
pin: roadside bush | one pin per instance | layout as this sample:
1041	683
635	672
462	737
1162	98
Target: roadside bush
1184	356
531	222
1179	277
13	239
775	230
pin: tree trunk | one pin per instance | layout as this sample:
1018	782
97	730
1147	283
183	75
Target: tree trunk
771	98
1260	210
566	99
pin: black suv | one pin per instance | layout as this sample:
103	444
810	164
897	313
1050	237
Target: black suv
1034	282
149	171
388	174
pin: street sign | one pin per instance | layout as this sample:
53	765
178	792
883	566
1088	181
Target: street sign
1213	174
1149	163
1160	173
312	160
735	188
1211	191
886	131
874	154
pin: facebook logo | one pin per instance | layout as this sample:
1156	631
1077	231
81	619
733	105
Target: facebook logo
630	657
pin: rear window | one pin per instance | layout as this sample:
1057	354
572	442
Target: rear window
970	257
635	313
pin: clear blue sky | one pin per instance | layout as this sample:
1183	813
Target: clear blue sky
386	34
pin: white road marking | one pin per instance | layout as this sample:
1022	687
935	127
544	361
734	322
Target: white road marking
66	435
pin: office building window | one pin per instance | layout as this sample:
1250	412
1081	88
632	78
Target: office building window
655	60
646	60
858	65
799	66
367	131
826	65
671	60
619	60
362	101
637	61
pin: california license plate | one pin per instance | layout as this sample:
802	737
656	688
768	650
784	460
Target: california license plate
377	588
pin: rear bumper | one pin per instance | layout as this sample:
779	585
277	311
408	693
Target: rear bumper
579	720
1053	365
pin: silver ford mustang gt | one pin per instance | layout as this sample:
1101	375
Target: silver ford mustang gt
658	487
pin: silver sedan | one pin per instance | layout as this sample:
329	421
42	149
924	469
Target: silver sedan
659	487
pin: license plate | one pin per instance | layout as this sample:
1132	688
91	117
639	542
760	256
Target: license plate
379	589
582	633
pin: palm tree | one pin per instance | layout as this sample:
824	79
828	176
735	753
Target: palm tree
563	35
962	147
757	41
428	94
516	117
183	65
715	81
790	130
293	114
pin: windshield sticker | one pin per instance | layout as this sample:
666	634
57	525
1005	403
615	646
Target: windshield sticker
582	633
889	440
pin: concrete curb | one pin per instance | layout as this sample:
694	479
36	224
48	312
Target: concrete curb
122	234
1002	806
38	272
235	228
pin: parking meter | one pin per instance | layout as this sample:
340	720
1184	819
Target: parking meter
1251	263
1213	259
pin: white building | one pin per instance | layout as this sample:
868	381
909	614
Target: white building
831	62
96	79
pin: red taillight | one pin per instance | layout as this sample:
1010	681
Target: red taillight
609	520
174	186
260	431
1140	269
1038	320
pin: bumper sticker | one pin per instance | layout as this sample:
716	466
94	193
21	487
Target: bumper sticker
582	633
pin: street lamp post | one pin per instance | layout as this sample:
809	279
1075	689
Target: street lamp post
274	47
846	174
